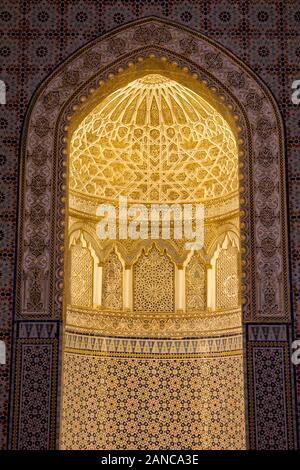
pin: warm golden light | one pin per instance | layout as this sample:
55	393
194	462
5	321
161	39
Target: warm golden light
154	140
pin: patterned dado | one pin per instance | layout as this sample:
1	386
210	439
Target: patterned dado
155	141
108	148
261	158
154	403
41	242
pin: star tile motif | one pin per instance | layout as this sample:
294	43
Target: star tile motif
150	141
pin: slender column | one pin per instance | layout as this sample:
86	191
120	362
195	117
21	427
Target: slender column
127	288
97	287
179	289
211	289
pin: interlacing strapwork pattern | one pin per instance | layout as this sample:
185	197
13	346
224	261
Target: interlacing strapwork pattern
82	276
130	403
153	283
195	285
112	284
227	278
154	140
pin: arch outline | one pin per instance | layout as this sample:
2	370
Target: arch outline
263	199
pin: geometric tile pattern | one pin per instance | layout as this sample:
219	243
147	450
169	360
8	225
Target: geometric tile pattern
152	403
150	141
138	346
37	38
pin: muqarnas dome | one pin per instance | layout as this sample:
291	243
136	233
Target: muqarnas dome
154	140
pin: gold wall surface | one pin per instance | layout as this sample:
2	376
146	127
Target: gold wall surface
152	343
141	403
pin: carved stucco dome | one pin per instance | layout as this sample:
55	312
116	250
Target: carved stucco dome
154	140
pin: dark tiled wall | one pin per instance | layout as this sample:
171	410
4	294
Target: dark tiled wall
37	35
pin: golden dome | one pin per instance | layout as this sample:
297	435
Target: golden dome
154	140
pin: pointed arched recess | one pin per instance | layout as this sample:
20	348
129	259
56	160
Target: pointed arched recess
41	243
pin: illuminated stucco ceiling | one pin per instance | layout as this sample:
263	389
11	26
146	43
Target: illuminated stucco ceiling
154	140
